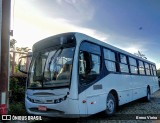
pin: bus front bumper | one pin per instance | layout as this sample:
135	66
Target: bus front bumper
67	108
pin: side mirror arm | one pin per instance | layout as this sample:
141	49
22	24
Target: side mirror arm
20	67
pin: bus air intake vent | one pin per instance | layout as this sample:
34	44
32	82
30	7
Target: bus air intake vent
43	93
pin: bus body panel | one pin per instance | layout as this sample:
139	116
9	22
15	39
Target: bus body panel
82	104
125	94
66	108
74	78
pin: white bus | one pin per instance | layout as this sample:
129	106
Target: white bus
75	75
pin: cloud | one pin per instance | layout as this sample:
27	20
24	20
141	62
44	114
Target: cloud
77	11
158	65
31	26
65	15
126	43
131	50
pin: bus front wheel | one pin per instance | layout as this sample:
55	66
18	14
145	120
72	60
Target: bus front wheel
110	105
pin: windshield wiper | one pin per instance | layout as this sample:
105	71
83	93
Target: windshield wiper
53	57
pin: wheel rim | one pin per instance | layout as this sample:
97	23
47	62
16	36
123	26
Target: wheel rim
110	106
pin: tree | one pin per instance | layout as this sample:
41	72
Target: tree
22	49
12	43
19	49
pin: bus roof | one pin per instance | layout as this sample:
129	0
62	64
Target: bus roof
48	42
55	40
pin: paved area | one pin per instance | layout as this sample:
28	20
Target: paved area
144	111
131	112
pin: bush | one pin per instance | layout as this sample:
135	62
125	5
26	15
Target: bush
17	109
16	100
17	90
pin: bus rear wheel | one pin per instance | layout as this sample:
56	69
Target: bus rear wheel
110	105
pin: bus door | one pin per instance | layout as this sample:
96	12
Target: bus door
89	72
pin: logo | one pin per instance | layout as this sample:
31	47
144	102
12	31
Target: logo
20	118
6	117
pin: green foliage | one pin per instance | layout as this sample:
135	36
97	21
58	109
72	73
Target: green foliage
16	100
16	68
12	43
17	108
17	90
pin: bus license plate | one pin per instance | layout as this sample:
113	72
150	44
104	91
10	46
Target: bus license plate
42	108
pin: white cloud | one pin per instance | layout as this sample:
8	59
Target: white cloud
67	1
31	26
158	66
77	11
29	31
131	49
128	44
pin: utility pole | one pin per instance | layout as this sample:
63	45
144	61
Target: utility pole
5	7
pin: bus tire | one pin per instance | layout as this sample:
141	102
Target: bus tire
148	97
110	105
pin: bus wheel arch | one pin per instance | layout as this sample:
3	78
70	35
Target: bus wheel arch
111	103
115	94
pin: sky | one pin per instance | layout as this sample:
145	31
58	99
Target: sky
132	25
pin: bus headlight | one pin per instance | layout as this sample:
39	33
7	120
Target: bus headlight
60	99
31	100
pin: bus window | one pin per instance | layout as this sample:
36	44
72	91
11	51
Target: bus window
51	69
36	70
58	68
89	67
123	64
141	68
151	69
133	65
110	60
154	70
147	69
89	62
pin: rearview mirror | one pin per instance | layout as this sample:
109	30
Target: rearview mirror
24	62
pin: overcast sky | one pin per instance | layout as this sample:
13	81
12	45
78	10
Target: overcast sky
131	25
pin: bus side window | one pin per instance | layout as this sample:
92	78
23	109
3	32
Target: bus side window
154	70
89	67
110	60
123	63
133	65
141	68
89	62
147	68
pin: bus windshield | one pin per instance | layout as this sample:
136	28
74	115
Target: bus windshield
51	68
